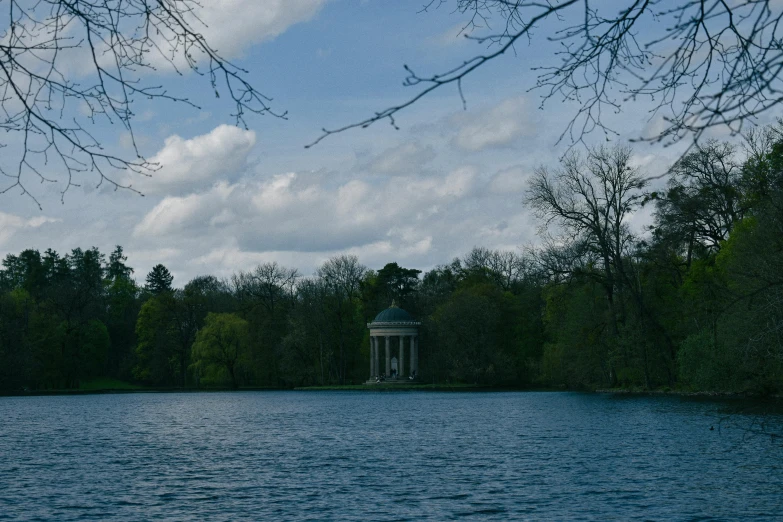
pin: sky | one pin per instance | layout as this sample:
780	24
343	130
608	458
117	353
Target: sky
228	198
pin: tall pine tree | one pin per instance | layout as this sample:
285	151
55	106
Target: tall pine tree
159	280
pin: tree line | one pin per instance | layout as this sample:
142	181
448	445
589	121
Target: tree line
695	301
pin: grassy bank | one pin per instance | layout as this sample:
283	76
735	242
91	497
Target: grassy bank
690	393
106	384
390	387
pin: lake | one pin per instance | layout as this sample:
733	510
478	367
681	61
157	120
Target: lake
383	456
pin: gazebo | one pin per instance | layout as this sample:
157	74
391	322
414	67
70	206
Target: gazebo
390	323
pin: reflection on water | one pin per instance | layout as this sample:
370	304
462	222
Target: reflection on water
381	456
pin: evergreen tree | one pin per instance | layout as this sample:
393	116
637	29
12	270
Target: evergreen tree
159	280
117	268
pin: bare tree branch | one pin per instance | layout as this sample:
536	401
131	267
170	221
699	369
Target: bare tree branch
700	63
66	65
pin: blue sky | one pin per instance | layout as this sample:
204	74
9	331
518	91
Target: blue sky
227	198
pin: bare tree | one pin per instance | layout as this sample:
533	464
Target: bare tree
341	277
701	63
703	199
67	65
268	284
559	263
506	268
589	200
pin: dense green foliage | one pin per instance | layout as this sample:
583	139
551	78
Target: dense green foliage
694	302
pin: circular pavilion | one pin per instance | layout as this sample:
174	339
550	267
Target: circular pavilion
394	322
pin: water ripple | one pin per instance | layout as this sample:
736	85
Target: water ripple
380	456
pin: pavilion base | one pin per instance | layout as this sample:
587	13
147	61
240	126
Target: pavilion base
391	380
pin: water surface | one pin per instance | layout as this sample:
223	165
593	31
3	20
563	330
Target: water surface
382	456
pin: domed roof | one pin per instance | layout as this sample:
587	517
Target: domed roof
393	314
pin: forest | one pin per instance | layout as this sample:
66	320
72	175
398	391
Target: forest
692	302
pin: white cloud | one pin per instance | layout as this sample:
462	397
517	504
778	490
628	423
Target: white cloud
510	180
190	164
301	219
175	214
498	126
232	26
305	212
407	158
408	198
11	224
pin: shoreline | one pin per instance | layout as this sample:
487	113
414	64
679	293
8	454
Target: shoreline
122	391
336	387
690	394
401	388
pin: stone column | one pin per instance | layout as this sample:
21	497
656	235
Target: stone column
375	356
401	368
388	357
414	367
416	349
372	358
